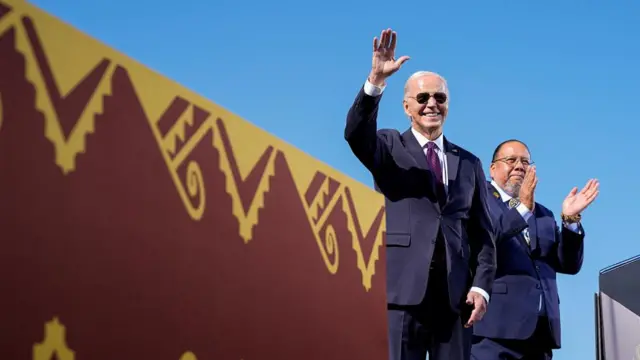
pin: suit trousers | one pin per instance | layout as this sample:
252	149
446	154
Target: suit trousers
537	347
431	327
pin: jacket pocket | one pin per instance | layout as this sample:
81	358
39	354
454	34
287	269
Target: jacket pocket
499	288
401	240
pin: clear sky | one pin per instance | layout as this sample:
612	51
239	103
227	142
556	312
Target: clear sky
562	76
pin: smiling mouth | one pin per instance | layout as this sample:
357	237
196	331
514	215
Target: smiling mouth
431	114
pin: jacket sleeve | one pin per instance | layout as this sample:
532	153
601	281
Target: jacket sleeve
569	253
482	235
509	224
362	135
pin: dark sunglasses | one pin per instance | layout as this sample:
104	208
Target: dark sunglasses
423	98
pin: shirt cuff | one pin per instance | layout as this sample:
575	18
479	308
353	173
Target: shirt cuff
573	227
481	292
373	90
524	211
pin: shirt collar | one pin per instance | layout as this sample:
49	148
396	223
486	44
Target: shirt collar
422	140
505	197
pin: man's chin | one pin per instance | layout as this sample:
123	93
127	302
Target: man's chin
513	189
431	126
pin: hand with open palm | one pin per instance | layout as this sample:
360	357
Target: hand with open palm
576	201
384	63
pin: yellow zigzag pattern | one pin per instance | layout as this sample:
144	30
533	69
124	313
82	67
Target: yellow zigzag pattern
192	186
368	269
66	149
249	220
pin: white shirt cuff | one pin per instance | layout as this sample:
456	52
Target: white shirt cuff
373	90
481	292
573	227
524	211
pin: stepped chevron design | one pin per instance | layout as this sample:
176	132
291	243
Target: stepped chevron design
141	208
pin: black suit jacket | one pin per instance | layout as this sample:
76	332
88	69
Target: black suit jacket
414	216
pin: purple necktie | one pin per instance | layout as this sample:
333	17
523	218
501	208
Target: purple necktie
436	169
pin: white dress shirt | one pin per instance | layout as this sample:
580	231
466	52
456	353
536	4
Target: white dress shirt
373	90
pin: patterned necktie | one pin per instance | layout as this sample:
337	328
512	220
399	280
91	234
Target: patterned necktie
436	169
513	202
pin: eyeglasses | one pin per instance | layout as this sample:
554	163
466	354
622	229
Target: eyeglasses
511	161
423	98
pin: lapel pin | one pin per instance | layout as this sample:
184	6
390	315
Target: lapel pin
495	193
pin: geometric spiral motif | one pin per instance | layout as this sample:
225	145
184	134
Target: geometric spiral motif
178	131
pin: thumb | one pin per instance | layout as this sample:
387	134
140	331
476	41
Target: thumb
401	60
469	299
573	191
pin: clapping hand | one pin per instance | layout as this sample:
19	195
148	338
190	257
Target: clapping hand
576	201
384	63
528	188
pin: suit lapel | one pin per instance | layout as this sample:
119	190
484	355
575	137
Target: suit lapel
505	208
412	145
453	161
533	230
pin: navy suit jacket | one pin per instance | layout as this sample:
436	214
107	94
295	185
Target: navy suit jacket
414	216
526	272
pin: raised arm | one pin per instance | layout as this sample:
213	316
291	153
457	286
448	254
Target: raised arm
570	239
361	128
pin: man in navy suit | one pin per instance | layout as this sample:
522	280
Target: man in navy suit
439	239
523	317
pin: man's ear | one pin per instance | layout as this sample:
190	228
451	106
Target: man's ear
492	168
405	105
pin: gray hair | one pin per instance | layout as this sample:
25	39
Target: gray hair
421	73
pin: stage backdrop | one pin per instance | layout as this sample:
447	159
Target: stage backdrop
142	221
619	299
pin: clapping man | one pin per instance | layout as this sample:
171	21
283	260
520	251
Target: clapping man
523	317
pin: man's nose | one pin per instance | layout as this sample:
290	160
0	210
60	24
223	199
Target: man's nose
432	102
518	165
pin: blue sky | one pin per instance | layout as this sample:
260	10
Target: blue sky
562	76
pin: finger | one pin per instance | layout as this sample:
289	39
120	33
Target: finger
592	189
394	39
573	191
527	177
587	186
591	195
534	183
532	175
402	60
385	39
375	43
473	318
